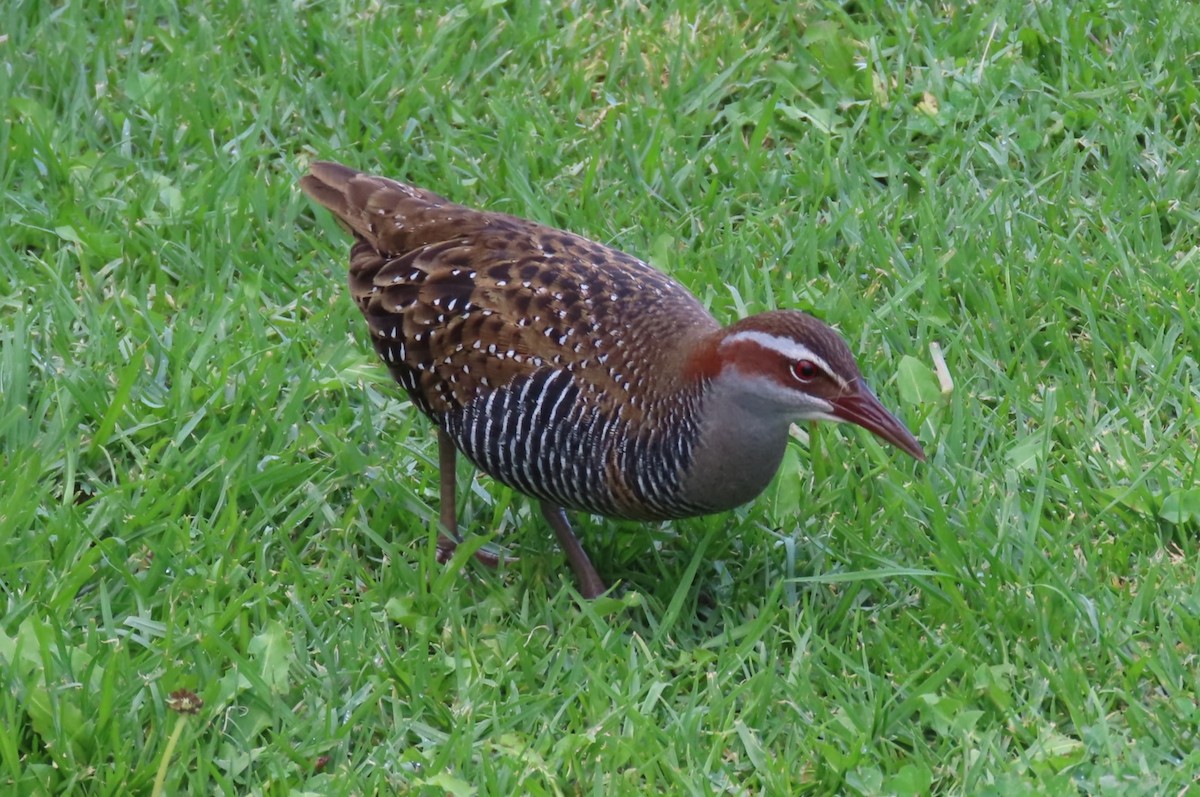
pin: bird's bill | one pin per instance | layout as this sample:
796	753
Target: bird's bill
864	409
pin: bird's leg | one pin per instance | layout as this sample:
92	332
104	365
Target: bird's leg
448	538
590	585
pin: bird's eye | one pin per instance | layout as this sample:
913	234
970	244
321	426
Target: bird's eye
805	370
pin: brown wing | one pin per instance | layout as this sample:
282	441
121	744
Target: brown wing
461	301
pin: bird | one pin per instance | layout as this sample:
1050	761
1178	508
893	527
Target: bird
576	374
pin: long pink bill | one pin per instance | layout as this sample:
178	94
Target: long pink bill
864	409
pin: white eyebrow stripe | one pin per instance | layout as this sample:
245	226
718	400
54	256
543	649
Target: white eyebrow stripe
785	347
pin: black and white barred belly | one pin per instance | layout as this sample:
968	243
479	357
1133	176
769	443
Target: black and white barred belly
540	437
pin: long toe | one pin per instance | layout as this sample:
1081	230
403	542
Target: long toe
493	559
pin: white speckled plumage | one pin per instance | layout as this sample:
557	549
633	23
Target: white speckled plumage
576	373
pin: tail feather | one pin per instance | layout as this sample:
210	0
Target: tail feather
327	183
371	207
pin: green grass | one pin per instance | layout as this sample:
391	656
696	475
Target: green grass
208	484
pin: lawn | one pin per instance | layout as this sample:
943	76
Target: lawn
217	512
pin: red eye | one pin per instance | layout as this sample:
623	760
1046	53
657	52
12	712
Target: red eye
805	370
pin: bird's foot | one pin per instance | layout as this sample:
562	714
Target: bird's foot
446	546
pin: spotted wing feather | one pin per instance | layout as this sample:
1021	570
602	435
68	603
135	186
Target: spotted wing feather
502	329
